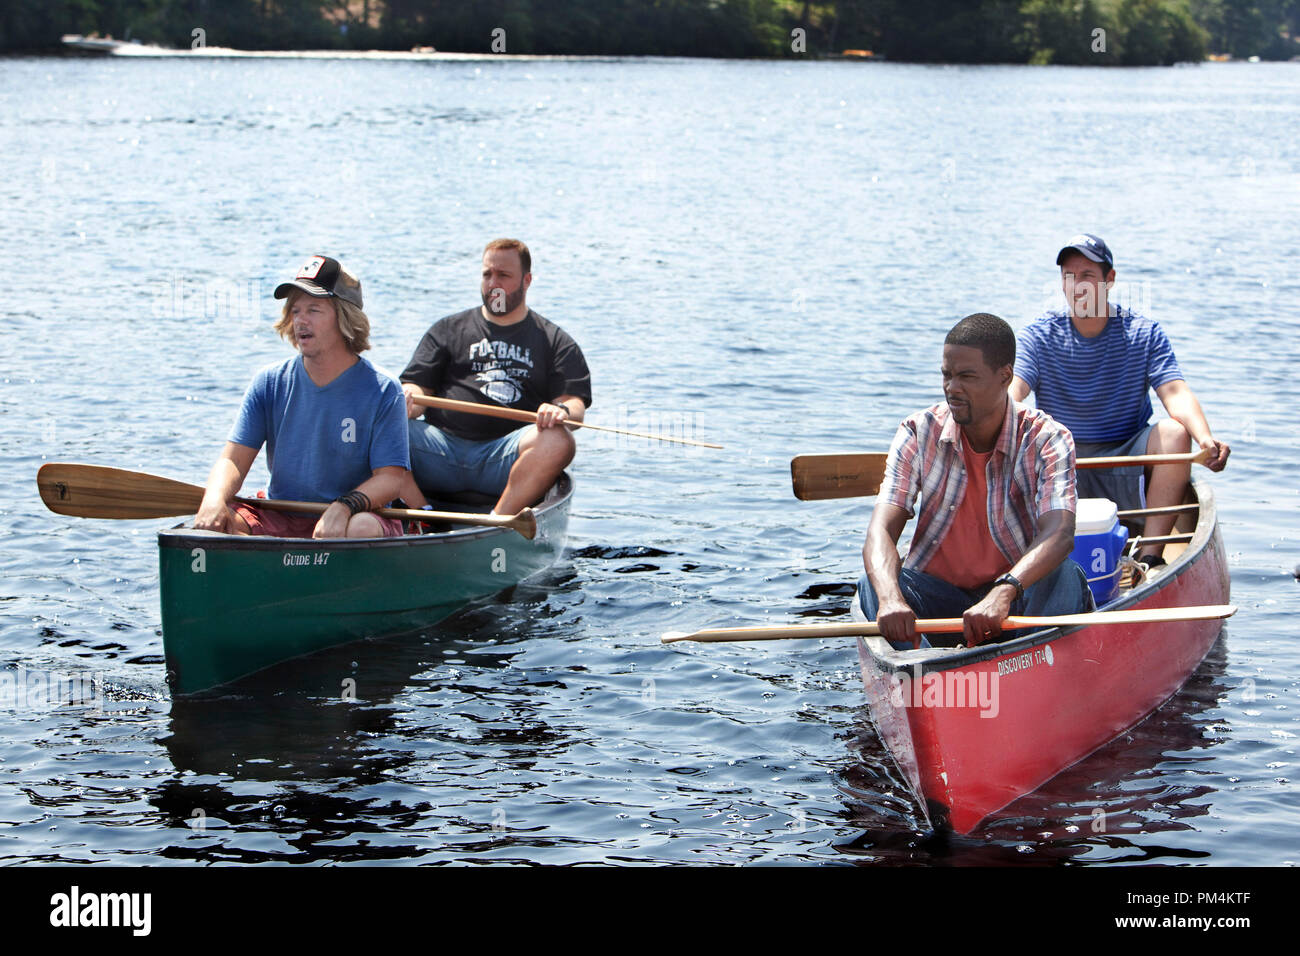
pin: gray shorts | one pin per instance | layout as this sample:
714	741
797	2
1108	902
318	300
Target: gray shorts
443	463
1124	486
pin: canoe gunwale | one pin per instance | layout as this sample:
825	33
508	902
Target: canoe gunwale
940	659
182	536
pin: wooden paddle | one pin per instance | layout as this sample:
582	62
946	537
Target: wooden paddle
817	477
1136	543
1166	510
954	625
519	415
93	491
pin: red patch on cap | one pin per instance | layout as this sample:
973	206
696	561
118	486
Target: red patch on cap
311	269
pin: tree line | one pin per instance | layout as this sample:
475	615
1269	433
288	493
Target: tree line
1119	32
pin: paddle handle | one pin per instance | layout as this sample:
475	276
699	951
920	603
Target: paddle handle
859	474
519	415
473	408
319	507
1161	539
1166	510
1121	461
952	625
525	522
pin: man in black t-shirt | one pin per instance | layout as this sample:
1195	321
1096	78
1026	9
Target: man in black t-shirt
502	353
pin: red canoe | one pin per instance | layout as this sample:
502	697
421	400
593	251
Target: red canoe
972	729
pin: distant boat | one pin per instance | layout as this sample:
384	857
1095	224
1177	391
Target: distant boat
107	46
94	44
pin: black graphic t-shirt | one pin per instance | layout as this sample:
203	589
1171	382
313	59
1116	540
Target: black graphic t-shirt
470	359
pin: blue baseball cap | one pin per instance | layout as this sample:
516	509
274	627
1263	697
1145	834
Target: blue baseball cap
1091	246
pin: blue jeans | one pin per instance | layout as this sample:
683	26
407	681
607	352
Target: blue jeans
443	463
1064	591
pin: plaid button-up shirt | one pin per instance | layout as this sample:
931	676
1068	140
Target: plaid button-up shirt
1030	473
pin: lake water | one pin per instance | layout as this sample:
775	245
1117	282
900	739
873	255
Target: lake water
760	254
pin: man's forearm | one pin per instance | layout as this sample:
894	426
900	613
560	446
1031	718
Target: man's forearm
880	556
1044	556
224	481
1184	408
382	486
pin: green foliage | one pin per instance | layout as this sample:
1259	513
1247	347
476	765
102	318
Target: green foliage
984	31
611	27
1084	32
1077	32
1159	32
1244	28
36	25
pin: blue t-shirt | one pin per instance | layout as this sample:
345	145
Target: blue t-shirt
1098	388
323	442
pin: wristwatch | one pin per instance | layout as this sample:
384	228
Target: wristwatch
1014	582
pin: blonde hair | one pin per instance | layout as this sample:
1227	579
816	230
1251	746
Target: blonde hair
353	324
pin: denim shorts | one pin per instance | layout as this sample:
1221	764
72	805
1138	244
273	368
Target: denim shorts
443	463
1124	486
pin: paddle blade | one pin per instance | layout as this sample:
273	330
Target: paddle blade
817	477
93	491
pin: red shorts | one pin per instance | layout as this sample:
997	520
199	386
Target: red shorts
284	524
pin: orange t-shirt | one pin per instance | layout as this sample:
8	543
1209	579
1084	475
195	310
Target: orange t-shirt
967	556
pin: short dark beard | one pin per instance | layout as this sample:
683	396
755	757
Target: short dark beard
513	300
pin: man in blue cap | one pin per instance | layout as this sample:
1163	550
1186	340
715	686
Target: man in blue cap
1091	367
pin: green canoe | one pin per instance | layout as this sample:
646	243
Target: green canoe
234	604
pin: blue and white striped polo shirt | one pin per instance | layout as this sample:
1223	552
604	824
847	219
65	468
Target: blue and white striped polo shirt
1098	388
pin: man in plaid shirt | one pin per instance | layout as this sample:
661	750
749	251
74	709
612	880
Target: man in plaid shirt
997	499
